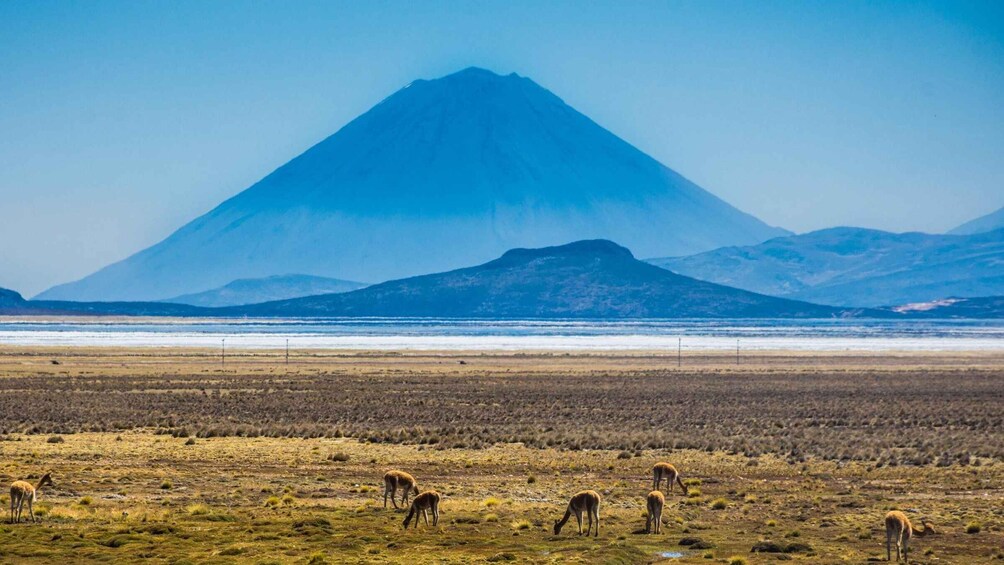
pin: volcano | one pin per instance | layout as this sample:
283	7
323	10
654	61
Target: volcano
443	173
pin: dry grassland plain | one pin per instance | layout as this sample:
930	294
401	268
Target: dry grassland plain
164	456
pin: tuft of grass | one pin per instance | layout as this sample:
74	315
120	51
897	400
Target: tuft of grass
736	560
521	525
973	528
492	502
339	457
55	439
719	504
491	517
86	501
288	499
166	484
693	492
272	501
197	510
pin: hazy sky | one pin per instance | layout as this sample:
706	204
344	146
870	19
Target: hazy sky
119	122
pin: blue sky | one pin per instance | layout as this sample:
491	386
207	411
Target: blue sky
120	121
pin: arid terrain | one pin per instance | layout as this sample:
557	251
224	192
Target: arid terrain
172	456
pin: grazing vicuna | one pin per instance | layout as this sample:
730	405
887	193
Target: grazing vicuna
899	528
394	480
654	503
424	503
666	471
23	491
587	501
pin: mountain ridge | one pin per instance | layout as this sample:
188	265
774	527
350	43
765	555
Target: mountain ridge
253	291
989	222
846	266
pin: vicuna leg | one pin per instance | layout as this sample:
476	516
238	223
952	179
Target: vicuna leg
596	514
31	511
906	543
435	515
578	518
393	494
425	514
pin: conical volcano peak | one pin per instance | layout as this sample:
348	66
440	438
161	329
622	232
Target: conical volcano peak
476	81
443	173
478	73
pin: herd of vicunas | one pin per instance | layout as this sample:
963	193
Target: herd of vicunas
898	529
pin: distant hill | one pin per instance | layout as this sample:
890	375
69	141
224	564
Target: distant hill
856	267
988	307
585	279
10	298
990	222
12	304
442	174
253	291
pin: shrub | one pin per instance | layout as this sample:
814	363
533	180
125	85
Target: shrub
55	439
973	527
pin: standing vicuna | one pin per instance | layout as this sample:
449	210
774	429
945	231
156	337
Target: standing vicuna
899	528
666	471
394	480
587	501
425	502
23	491
655	502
